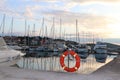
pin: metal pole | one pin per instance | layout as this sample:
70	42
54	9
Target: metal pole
68	59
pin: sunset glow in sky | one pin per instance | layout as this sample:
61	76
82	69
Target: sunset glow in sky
100	17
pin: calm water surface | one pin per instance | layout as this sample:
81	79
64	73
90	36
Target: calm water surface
87	66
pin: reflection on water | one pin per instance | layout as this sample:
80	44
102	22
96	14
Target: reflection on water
87	66
42	54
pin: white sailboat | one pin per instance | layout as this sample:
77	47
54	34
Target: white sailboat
7	53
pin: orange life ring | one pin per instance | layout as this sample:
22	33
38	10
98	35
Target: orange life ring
77	65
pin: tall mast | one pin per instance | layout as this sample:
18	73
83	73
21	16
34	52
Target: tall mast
93	38
42	28
53	28
42	33
46	31
12	27
25	35
25	27
76	30
28	33
64	35
12	30
60	27
33	32
3	25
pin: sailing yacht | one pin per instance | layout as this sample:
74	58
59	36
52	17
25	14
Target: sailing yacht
83	50
7	53
100	50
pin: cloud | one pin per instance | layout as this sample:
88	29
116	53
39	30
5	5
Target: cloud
2	3
85	1
6	10
45	0
32	11
86	20
28	12
82	1
78	1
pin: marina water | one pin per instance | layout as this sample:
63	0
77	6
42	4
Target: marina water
52	63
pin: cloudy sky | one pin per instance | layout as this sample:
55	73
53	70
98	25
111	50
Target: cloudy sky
98	17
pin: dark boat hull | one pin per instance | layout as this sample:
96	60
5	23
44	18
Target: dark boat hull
83	55
101	57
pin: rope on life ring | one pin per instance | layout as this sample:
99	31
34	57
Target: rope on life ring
75	55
